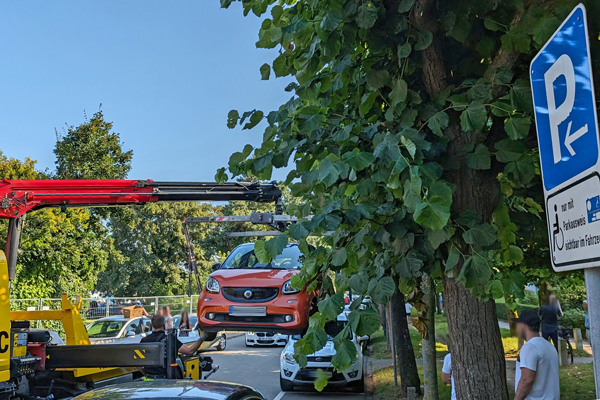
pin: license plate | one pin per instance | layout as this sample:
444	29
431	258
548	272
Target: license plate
313	374
241	311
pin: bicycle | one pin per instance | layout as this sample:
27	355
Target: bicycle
565	334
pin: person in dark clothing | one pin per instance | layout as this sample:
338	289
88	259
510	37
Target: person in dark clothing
159	335
549	315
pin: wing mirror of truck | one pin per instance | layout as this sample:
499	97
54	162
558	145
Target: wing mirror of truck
216	266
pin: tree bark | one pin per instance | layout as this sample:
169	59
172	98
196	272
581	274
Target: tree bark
405	355
430	383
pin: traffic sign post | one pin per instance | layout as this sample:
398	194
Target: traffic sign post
567	129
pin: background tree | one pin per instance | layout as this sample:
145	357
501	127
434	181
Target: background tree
58	251
91	151
411	135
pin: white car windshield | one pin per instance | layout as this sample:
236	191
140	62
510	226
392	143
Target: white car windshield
332	328
243	257
105	329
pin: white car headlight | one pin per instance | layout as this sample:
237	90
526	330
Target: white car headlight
289	357
212	286
288	289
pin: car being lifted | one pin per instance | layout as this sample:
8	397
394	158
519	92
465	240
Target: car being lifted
244	294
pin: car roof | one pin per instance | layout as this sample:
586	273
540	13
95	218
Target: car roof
168	389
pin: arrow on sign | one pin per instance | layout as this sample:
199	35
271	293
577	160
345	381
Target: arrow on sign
570	138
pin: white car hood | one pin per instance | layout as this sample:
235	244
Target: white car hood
327	351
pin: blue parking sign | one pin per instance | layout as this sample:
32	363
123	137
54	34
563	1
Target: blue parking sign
565	106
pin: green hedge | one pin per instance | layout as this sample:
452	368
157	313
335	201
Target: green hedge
502	310
573	319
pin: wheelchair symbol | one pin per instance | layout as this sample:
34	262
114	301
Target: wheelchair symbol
557	230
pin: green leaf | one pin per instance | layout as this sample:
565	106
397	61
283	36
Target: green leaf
265	72
433	213
513	254
438	122
381	289
377	79
409	145
321	379
358	283
261	253
255	118
367	102
232	118
516	41
226	3
331	20
275	246
492	25
517	127
367	15
496	289
482	234
338	257
312	342
405	5
480	159
279	67
276	12
474	118
509	150
297	231
424	40
358	160
221	176
404	50
364	322
331	306
388	149
345	352
399	92
544	28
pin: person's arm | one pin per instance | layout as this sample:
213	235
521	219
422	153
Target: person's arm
559	308
190	350
446	378
525	383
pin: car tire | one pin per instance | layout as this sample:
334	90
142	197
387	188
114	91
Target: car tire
359	386
222	343
285	385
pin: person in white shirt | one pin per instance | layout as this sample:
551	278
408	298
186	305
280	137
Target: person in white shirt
536	376
447	374
168	319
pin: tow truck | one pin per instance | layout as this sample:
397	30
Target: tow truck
30	367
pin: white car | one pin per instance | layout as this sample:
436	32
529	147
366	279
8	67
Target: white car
118	329
219	342
265	339
291	375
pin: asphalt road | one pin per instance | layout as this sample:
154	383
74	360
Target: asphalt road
258	367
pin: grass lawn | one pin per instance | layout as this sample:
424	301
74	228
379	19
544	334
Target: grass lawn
576	383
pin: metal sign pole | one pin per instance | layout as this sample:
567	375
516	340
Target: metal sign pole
592	287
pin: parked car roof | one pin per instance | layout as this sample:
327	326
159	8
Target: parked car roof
119	318
173	390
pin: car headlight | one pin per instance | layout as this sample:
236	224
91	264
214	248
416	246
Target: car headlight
289	357
288	289
212	286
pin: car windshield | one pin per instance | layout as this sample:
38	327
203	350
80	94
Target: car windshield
243	257
105	329
332	328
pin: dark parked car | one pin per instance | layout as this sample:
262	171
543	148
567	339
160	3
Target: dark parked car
174	390
98	310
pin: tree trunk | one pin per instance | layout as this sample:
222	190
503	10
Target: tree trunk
405	355
383	317
430	382
511	315
478	365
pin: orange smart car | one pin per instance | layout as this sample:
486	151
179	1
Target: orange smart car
243	294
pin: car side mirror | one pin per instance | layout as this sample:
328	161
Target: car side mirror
216	266
363	338
130	334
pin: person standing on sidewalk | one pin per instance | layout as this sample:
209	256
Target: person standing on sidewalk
447	374
549	314
536	375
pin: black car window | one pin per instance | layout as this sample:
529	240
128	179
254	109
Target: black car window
243	257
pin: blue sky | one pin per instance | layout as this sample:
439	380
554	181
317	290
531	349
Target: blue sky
166	73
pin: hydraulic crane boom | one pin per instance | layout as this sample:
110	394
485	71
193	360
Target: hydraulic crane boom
19	197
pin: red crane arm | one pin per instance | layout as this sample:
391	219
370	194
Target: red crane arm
19	197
